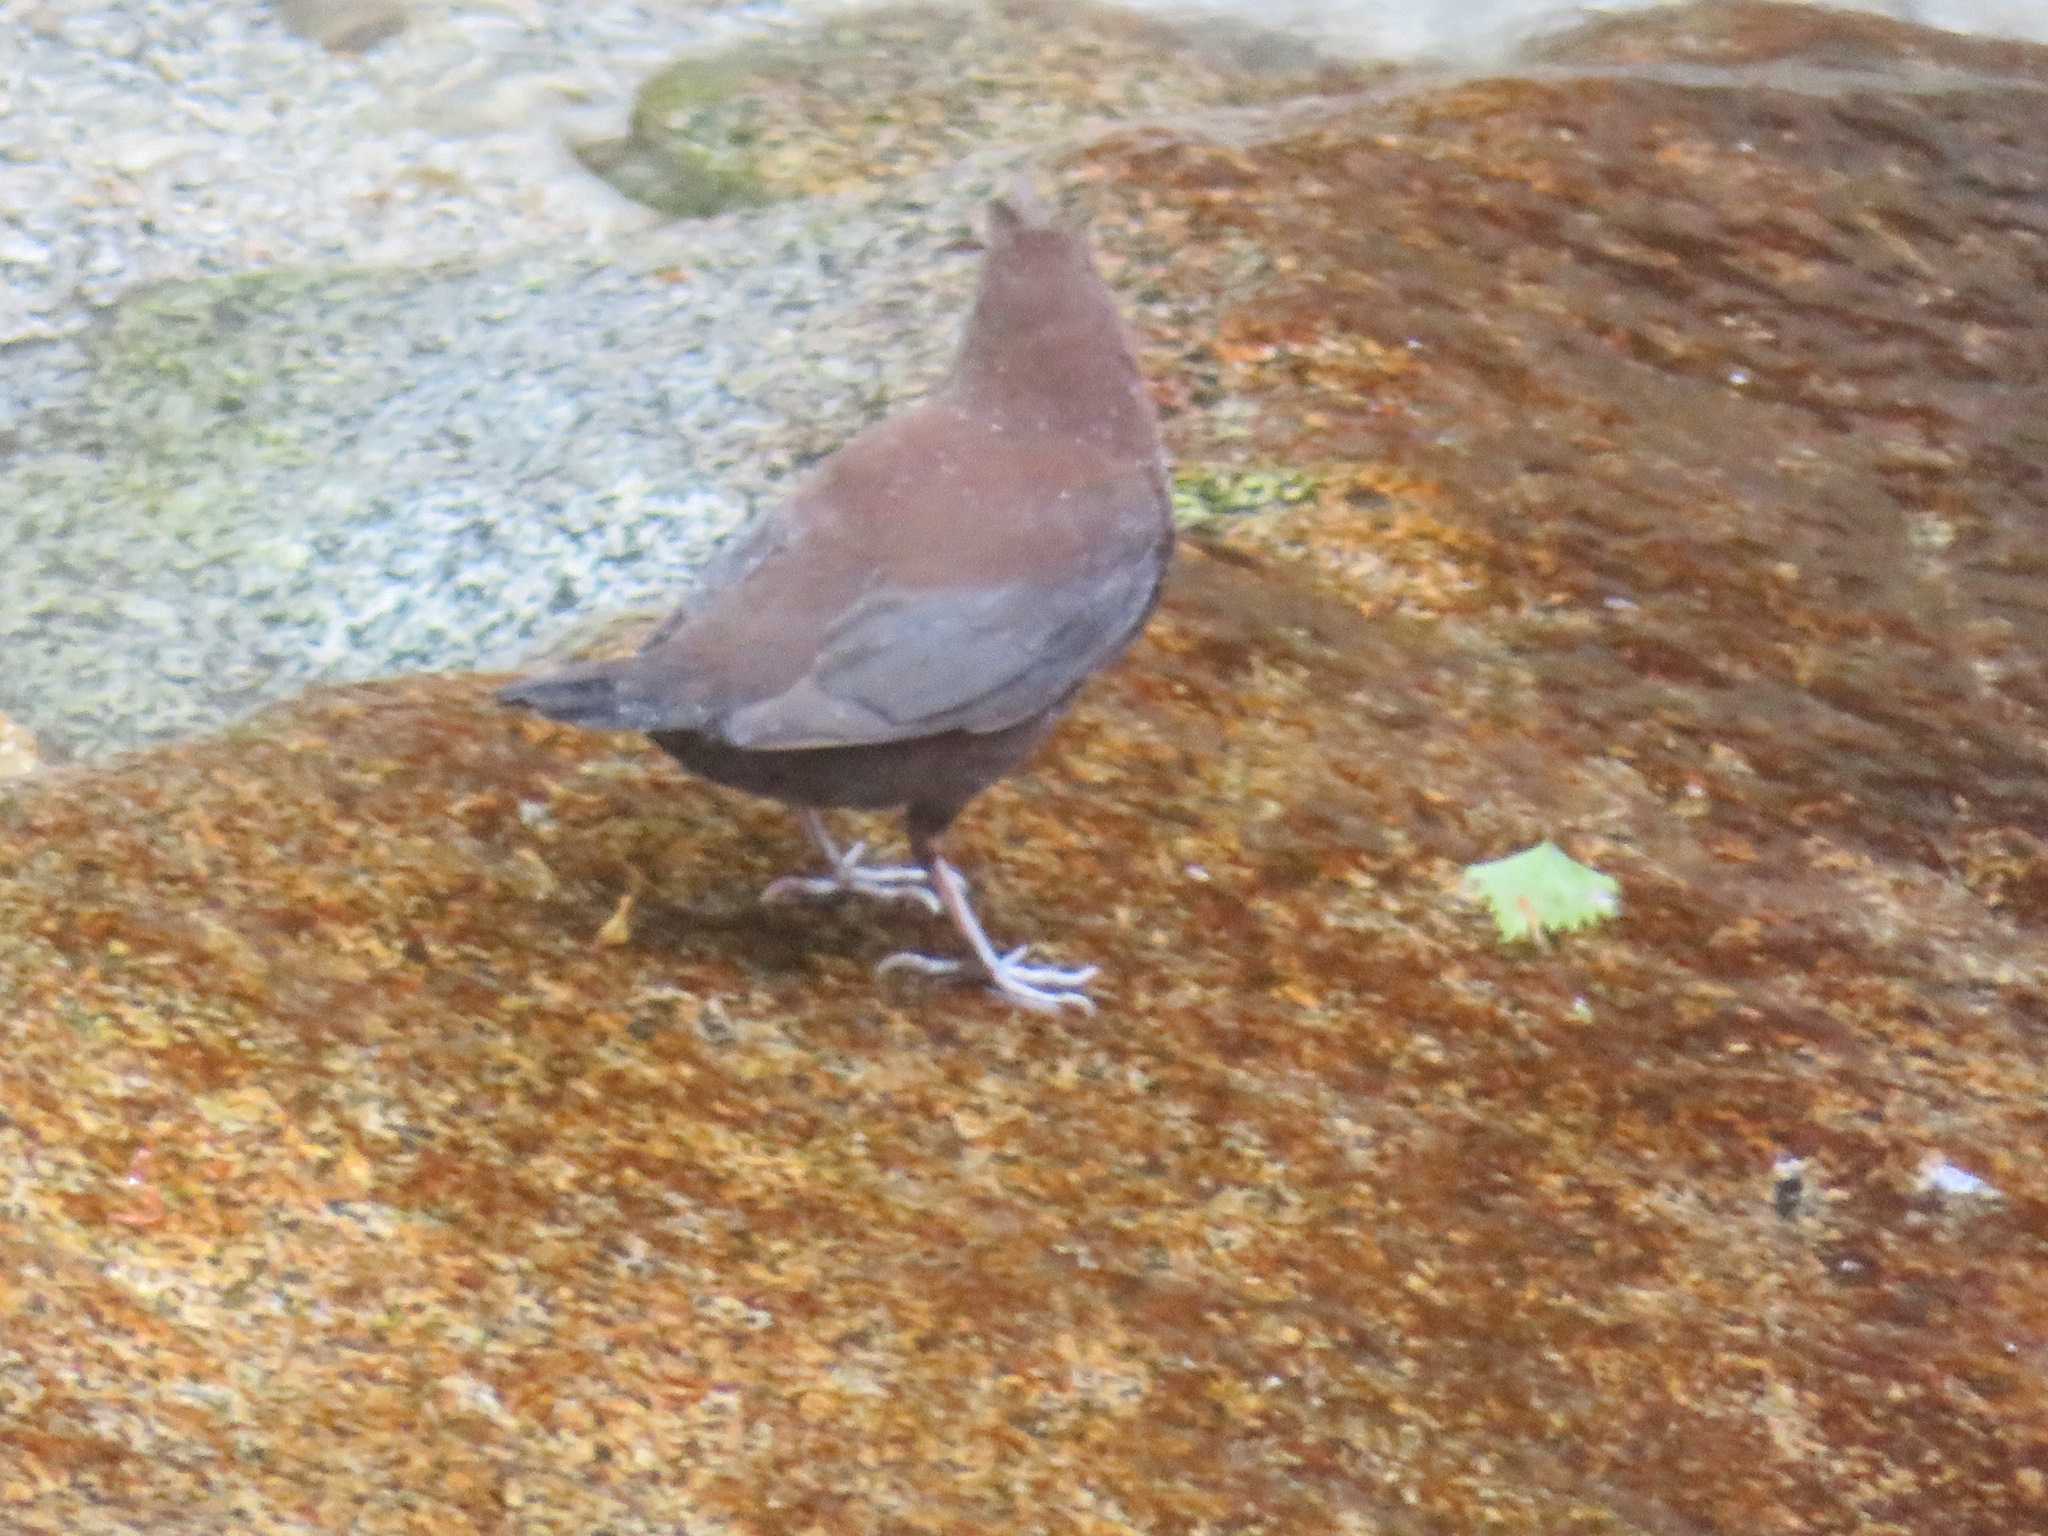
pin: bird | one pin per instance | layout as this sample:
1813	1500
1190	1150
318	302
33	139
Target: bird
908	626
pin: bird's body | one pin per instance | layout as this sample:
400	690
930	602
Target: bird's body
907	628
938	774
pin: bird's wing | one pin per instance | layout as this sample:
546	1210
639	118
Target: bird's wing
902	664
934	575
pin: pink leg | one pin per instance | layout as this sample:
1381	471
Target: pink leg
849	876
1047	988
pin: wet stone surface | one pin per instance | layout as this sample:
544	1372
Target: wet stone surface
890	90
1724	405
409	1121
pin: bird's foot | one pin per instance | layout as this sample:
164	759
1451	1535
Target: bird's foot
888	882
1047	988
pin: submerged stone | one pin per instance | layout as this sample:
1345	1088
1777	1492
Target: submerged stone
345	26
888	91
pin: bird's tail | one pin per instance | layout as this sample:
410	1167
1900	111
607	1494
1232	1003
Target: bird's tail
585	695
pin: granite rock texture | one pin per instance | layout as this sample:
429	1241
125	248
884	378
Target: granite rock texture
409	1122
262	482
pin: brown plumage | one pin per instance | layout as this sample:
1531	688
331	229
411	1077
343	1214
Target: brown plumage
907	628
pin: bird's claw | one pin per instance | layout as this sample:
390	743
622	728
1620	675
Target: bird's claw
905	882
1046	988
1047	975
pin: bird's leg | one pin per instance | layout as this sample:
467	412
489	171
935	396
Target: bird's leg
905	882
1044	987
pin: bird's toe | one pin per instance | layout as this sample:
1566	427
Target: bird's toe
800	888
1041	988
924	965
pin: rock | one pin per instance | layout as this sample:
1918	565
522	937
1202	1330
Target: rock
1826	37
895	90
464	449
149	144
418	537
18	754
345	26
1651	465
461	453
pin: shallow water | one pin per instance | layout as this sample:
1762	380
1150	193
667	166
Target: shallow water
1484	29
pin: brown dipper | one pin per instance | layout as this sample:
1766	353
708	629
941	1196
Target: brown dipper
911	623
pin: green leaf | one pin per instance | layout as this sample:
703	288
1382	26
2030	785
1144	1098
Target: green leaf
1543	890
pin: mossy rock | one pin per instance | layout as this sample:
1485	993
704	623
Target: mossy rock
683	182
898	90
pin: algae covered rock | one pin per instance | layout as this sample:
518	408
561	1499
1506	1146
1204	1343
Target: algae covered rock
890	91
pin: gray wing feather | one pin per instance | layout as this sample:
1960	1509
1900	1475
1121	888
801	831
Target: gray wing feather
901	665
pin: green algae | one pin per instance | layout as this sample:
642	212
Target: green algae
1204	494
690	153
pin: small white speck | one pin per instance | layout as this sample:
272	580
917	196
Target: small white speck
1621	604
1788	1168
1940	1176
1738	377
1196	872
477	1396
